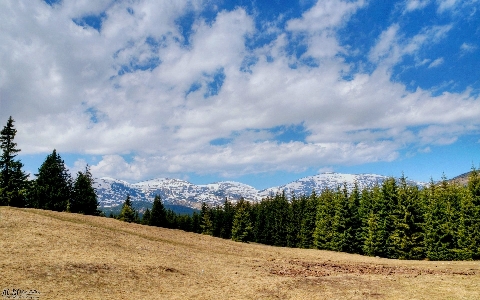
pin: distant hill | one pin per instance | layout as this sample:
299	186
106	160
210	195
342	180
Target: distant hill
461	179
180	193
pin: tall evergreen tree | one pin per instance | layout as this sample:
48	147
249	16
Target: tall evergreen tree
84	199
354	222
372	233
146	217
389	215
307	223
442	220
158	214
206	220
469	231
407	236
324	225
295	215
128	213
13	181
53	186
242	225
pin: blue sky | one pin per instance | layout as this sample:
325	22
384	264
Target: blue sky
261	92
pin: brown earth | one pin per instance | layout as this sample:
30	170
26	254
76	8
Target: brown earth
70	256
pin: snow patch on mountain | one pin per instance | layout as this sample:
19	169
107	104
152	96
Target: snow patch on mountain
112	192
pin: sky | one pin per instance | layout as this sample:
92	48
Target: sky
261	92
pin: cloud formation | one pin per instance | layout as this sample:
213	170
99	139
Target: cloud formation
182	86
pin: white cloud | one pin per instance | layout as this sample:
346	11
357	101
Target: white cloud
60	82
412	5
325	15
320	22
444	5
436	62
392	46
468	47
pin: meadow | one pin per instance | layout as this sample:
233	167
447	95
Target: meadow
72	256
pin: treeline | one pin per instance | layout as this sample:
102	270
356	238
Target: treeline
392	220
53	189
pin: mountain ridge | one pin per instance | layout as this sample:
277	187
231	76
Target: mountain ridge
112	192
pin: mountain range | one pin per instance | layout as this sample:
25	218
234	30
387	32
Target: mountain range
112	192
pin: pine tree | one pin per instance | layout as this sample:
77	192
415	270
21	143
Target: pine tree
308	219
84	199
13	181
128	213
389	216
146	217
407	236
372	233
442	221
227	220
242	225
469	231
354	222
206	220
295	216
280	219
53	187
324	232
158	215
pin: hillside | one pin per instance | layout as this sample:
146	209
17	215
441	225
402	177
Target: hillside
69	256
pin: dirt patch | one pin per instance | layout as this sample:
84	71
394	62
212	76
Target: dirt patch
88	268
296	268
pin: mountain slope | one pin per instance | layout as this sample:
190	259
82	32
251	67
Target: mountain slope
113	192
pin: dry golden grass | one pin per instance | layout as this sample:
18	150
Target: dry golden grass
70	256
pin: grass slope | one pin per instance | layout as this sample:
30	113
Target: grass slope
70	256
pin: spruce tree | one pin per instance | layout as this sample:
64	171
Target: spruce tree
146	217
84	199
389	216
305	218
354	222
469	231
295	215
206	220
13	181
372	226
128	213
442	221
158	213
53	186
407	236
279	215
228	213
242	225
324	231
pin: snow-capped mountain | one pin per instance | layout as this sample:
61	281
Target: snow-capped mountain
331	181
112	192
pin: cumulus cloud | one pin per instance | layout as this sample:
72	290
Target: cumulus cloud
140	86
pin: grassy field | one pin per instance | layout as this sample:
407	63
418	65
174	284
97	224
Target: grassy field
70	256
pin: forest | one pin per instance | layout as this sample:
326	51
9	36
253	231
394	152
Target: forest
393	219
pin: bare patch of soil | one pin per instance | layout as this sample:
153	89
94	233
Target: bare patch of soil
297	268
